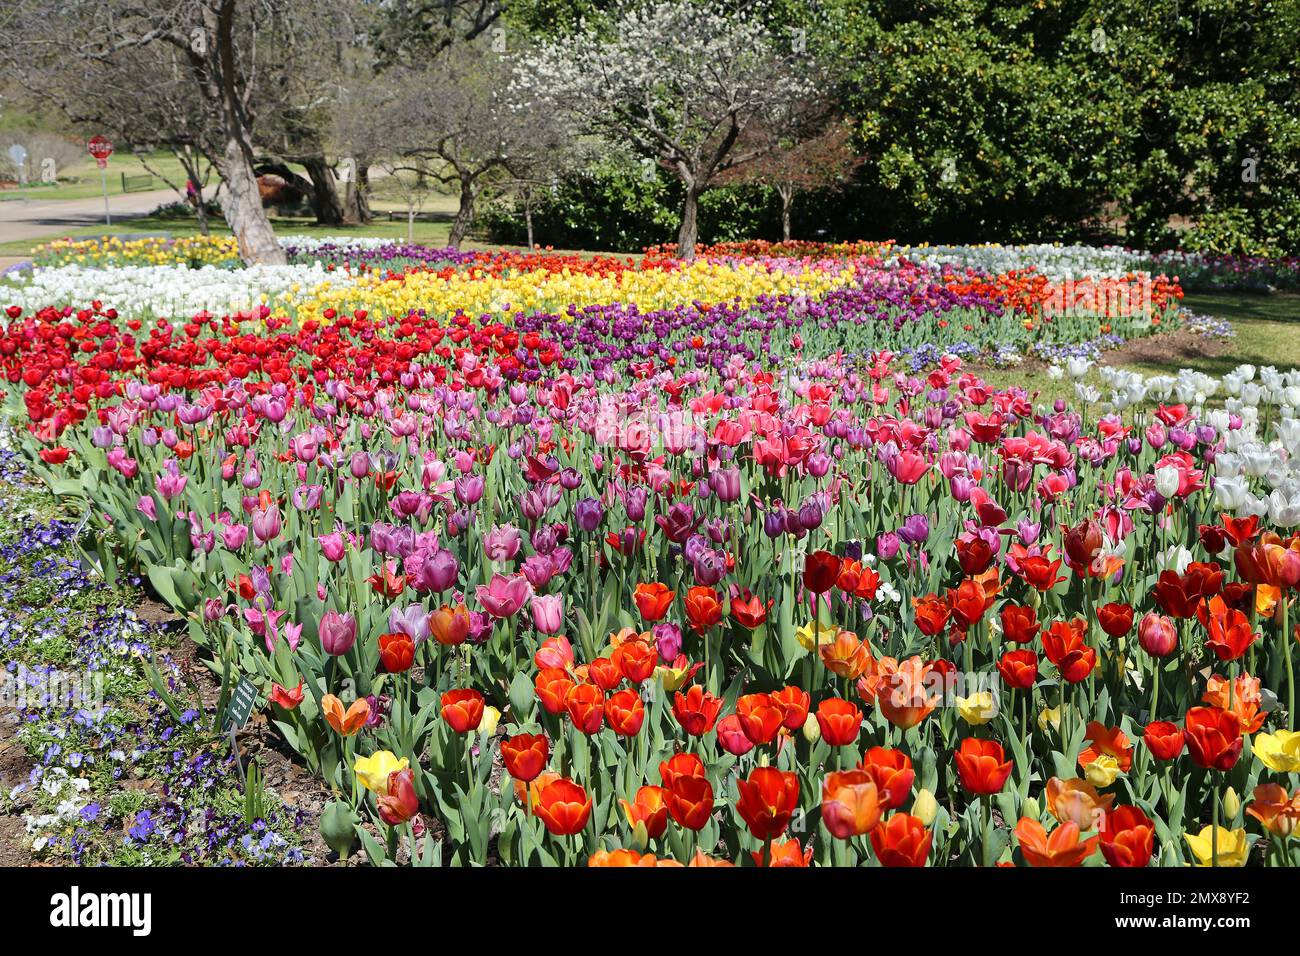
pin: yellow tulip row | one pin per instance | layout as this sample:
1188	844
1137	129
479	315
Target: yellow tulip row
475	292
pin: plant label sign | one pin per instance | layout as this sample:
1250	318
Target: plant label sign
240	706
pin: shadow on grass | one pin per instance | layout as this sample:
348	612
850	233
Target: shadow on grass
1238	306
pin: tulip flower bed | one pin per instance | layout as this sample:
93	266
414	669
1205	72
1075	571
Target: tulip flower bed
656	308
633	581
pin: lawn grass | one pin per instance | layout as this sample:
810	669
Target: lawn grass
81	180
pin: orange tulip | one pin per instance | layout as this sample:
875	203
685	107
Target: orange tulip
1242	697
1061	848
552	686
563	807
625	713
621	858
794	703
840	721
904	695
1064	646
760	717
585	704
1077	801
347	723
680	765
1277	812
846	656
703	609
850	803
649	808
785	853
449	625
901	840
636	659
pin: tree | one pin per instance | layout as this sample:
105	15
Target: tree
216	40
451	119
806	150
679	82
323	51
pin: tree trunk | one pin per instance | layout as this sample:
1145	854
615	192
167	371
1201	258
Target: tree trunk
787	201
528	222
201	212
216	73
689	232
324	192
464	215
243	207
356	208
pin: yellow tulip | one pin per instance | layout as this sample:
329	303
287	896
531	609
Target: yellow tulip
1279	751
373	771
826	634
1233	847
488	725
979	708
1103	771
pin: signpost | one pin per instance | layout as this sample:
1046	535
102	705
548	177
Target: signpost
101	149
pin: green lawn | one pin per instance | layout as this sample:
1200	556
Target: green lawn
82	181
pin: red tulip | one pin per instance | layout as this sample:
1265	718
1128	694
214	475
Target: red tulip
1213	737
768	798
820	571
982	766
462	709
396	652
901	840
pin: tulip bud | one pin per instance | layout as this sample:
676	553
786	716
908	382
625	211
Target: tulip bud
925	807
640	836
1231	804
1167	481
488	724
1157	635
1030	808
812	730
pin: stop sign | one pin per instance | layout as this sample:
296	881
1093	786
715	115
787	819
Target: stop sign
100	148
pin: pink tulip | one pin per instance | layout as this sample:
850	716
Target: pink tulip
503	596
548	613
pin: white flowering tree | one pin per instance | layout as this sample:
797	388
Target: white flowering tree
677	82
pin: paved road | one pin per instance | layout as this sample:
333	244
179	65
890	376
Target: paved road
44	218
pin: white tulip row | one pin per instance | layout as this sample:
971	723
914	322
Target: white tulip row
166	291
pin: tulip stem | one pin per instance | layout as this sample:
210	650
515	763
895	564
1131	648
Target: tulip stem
1290	666
1214	830
1155	689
